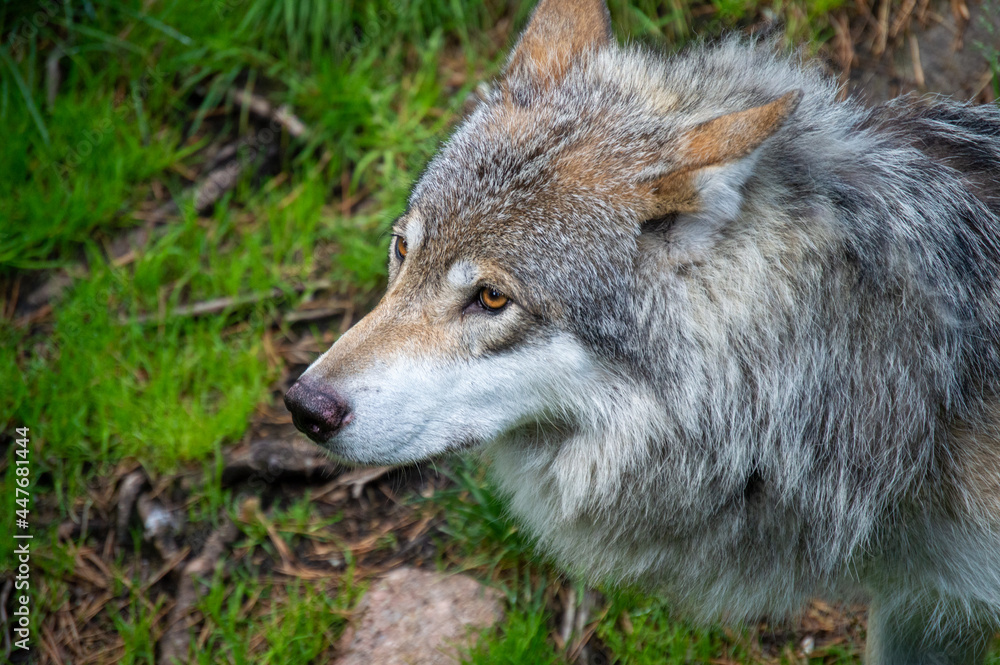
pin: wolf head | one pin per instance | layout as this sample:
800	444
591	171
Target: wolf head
511	305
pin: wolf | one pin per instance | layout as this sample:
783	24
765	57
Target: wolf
714	332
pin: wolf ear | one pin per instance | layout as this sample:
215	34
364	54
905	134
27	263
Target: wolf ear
704	187
558	32
736	135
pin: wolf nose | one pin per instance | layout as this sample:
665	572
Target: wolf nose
317	412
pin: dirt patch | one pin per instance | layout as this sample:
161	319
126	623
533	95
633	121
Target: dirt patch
891	49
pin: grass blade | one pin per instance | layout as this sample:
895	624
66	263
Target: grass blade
26	93
154	23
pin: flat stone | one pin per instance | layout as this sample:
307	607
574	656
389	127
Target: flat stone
417	617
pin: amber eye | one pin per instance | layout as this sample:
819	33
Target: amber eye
492	299
400	248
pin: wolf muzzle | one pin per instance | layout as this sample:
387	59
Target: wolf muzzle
317	412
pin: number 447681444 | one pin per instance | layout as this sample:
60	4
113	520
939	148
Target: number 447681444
21	471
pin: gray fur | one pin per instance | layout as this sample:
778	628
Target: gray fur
789	379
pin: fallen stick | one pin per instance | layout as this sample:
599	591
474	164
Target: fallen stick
263	108
269	460
301	315
216	305
128	492
356	480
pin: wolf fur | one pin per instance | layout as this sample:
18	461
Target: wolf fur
750	353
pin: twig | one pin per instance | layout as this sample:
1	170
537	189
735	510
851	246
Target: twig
70	530
216	305
98	656
53	77
206	191
38	315
961	13
218	181
213	306
903	17
569	617
982	85
96	607
356	480
250	511
625	622
332	309
50	290
883	28
261	107
585	628
922	12
844	49
11	304
68	625
918	69
49	645
167	568
862	7
268	460
128	492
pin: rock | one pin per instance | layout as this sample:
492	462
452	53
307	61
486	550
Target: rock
416	617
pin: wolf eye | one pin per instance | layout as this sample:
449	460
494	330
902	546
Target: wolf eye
491	299
400	248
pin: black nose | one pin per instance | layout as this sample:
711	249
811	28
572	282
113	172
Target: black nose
317	411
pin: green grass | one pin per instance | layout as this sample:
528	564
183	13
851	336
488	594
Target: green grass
256	621
130	114
655	636
477	522
522	639
989	49
135	625
128	109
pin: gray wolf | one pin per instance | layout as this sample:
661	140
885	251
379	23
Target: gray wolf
714	332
